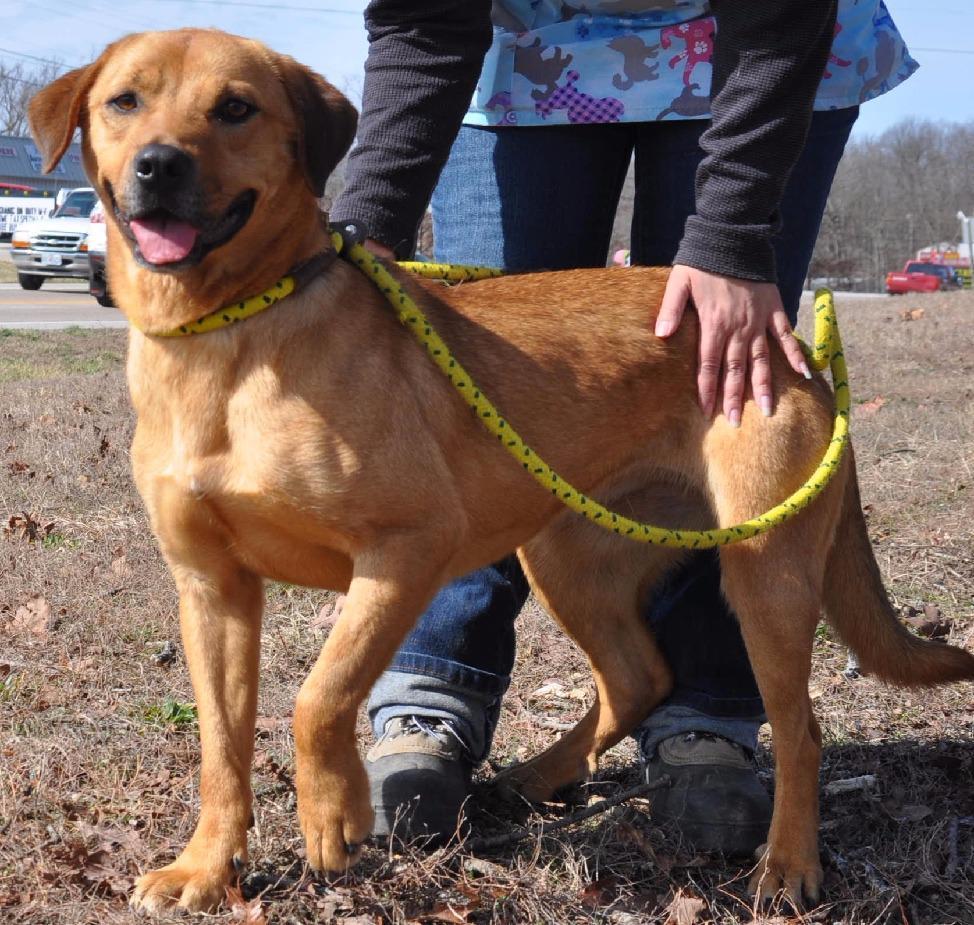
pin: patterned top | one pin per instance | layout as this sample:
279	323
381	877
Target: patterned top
642	60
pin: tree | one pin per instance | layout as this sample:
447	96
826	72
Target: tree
892	195
17	85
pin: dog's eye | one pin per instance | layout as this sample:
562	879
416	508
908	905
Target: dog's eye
235	111
125	102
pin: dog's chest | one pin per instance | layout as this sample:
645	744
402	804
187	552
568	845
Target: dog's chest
264	481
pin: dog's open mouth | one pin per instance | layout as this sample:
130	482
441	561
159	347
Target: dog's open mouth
166	241
163	238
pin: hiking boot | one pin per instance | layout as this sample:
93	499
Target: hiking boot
419	776
715	802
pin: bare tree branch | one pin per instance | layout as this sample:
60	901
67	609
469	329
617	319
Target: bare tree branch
17	85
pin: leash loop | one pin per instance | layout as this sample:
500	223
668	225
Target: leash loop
827	352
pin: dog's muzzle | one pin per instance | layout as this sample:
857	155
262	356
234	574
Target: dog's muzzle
163	212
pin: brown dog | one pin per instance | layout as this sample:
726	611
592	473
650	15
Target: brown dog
315	443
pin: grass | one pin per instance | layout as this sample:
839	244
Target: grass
29	355
8	272
170	713
99	758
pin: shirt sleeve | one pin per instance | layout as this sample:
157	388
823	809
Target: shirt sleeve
420	72
769	57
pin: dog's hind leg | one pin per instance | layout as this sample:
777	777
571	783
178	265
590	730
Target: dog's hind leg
774	583
220	608
776	592
594	584
391	584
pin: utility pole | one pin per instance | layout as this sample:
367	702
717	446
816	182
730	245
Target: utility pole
967	234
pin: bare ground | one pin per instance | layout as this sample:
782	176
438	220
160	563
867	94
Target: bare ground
98	748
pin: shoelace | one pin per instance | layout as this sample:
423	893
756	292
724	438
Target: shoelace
709	737
439	729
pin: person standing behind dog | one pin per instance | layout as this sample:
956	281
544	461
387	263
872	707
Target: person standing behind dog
732	170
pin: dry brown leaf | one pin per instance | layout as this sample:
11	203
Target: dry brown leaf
599	892
79	864
930	623
912	314
50	695
269	724
478	867
913	812
243	910
79	665
684	910
104	878
551	688
27	527
33	619
871	406
452	913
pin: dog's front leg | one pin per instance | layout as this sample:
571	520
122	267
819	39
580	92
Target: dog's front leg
389	589
220	617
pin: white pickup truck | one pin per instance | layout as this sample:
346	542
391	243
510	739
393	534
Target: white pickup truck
55	246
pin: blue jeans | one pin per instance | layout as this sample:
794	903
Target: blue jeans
545	198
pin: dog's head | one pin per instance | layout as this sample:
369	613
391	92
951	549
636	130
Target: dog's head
196	141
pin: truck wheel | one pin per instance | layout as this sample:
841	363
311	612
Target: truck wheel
29	281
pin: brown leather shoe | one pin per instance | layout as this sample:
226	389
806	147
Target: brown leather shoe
715	802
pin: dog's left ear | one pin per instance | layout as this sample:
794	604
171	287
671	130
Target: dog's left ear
326	121
54	112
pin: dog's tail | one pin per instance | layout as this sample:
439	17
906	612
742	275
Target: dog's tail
857	606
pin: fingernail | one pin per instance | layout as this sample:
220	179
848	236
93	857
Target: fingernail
805	371
664	327
765	405
734	418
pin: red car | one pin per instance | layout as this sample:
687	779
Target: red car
921	277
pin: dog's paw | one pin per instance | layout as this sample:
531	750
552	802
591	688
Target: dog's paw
334	807
522	782
539	779
333	836
778	873
181	884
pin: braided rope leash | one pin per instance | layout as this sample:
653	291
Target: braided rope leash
827	352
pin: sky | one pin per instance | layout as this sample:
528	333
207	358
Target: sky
329	36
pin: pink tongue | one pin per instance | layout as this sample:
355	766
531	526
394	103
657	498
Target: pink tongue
163	240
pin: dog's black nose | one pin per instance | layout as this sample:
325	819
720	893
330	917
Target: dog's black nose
161	168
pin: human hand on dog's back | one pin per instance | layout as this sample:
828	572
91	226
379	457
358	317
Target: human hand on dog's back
736	316
725	261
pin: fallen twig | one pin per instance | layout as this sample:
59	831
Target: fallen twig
865	782
952	858
521	832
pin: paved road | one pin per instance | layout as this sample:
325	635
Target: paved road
59	304
65	303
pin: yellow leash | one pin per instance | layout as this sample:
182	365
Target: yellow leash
826	352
